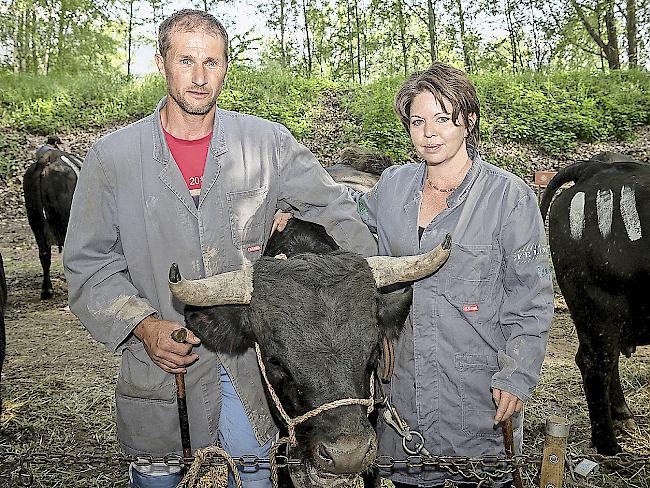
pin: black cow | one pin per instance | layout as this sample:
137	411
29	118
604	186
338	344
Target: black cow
48	185
3	305
599	233
319	320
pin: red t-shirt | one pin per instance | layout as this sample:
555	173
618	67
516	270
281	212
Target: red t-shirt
190	157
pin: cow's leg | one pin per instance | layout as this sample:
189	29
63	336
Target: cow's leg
371	479
620	410
45	255
597	365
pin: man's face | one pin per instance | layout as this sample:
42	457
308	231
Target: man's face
194	67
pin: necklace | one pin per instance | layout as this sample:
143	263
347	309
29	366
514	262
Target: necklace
443	190
449	190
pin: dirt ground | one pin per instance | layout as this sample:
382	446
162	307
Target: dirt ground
57	382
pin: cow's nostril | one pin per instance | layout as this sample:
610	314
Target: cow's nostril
325	456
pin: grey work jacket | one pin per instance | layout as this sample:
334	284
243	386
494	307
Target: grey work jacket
480	322
132	216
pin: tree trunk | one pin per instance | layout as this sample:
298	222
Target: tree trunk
129	40
402	36
630	27
538	50
60	38
358	38
612	51
283	50
350	43
431	25
461	20
609	49
512	34
307	39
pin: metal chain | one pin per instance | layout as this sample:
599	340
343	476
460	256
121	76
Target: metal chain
485	468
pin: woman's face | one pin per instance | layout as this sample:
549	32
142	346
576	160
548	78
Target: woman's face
434	135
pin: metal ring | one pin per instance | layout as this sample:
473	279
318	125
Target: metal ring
418	445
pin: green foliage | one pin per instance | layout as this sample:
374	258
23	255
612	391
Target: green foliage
57	103
275	95
557	110
552	111
377	126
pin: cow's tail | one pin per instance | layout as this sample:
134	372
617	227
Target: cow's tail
570	174
363	159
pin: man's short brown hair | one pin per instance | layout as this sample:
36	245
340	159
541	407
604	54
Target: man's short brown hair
444	82
188	20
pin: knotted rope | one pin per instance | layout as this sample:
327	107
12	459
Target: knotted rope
201	455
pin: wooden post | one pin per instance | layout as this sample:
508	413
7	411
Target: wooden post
557	432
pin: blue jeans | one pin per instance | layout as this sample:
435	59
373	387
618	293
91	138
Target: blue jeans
236	437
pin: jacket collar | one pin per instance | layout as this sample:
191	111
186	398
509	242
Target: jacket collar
161	151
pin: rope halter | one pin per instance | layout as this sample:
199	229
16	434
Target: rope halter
293	422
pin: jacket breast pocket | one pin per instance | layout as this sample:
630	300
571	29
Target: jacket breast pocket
470	273
477	407
247	211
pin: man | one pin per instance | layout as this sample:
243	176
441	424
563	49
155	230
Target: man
197	185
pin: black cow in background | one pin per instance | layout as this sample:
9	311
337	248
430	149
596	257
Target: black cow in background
599	234
48	186
3	306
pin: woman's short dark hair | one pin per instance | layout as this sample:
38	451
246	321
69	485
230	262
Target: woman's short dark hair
444	82
187	20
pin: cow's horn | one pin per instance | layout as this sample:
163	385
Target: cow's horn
389	270
232	288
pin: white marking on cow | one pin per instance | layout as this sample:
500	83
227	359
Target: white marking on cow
577	215
630	214
604	207
72	165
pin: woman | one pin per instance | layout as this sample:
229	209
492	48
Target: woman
472	348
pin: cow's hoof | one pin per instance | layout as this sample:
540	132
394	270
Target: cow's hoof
607	448
47	294
626	425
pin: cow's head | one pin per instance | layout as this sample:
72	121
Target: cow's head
319	321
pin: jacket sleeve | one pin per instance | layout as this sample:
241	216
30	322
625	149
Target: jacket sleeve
100	291
313	195
527	307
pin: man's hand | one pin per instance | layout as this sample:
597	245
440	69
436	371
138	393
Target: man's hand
171	356
280	220
506	403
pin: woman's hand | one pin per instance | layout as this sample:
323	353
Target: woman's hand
280	220
506	403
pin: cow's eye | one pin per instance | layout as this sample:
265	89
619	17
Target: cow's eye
277	368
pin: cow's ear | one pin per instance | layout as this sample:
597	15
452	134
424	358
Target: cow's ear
224	328
393	309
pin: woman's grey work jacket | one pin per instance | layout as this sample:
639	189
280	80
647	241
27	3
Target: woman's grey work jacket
480	322
132	216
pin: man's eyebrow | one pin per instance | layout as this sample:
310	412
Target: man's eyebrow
435	115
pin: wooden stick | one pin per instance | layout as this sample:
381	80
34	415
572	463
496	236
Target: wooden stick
509	444
180	335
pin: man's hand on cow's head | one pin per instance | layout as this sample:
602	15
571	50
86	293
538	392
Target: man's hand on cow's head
506	403
280	220
171	356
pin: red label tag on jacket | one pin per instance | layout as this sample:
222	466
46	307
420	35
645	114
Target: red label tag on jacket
254	248
470	308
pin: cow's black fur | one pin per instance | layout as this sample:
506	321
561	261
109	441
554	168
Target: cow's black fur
319	320
604	281
48	185
3	305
